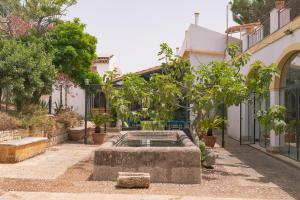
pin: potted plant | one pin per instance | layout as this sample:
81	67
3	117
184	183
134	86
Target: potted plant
206	127
99	119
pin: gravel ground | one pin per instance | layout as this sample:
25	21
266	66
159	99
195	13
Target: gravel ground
241	172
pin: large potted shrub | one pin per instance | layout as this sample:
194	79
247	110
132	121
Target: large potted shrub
99	119
206	129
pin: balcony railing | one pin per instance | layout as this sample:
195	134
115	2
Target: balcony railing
282	18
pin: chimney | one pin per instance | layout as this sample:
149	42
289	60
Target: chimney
279	4
197	18
177	51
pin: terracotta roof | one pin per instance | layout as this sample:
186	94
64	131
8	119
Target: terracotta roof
103	59
141	72
248	27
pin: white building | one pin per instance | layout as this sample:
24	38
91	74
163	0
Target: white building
74	96
277	40
202	45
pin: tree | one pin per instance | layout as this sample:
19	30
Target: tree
74	51
205	88
11	23
18	17
27	70
248	11
43	13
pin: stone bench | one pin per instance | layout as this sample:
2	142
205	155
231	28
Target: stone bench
133	180
18	150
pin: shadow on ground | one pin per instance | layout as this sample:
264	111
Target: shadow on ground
272	170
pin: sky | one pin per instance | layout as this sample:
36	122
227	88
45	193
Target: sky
132	30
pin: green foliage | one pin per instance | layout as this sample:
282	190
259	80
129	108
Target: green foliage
27	69
248	11
74	51
166	52
203	151
152	125
211	85
35	16
273	119
45	12
206	88
260	78
100	118
139	99
213	123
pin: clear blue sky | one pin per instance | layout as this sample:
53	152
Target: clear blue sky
133	29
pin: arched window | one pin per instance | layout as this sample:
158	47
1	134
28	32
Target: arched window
292	71
290	98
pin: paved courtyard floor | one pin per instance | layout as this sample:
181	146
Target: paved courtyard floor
241	173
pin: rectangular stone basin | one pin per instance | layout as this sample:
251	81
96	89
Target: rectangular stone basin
169	157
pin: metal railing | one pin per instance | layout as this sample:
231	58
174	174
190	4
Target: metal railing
285	15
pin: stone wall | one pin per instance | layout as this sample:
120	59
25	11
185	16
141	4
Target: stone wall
56	135
9	135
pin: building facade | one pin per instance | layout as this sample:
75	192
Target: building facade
277	41
69	94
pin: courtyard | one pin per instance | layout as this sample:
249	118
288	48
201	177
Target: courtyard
84	116
241	172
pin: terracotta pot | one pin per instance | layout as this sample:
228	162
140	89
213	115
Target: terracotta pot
98	138
76	134
210	141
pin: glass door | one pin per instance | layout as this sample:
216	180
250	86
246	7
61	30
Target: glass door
247	123
289	142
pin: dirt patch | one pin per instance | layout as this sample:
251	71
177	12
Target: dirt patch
77	179
240	172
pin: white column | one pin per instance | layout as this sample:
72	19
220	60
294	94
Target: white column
274	20
274	140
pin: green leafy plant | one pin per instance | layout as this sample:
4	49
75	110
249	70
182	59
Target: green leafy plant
152	125
99	119
209	123
203	151
273	119
200	90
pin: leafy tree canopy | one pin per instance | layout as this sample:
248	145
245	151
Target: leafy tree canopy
205	87
26	69
74	51
20	16
248	11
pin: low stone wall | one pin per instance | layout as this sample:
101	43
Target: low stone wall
56	135
165	164
9	135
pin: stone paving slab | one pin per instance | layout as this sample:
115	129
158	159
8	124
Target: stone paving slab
92	196
50	165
